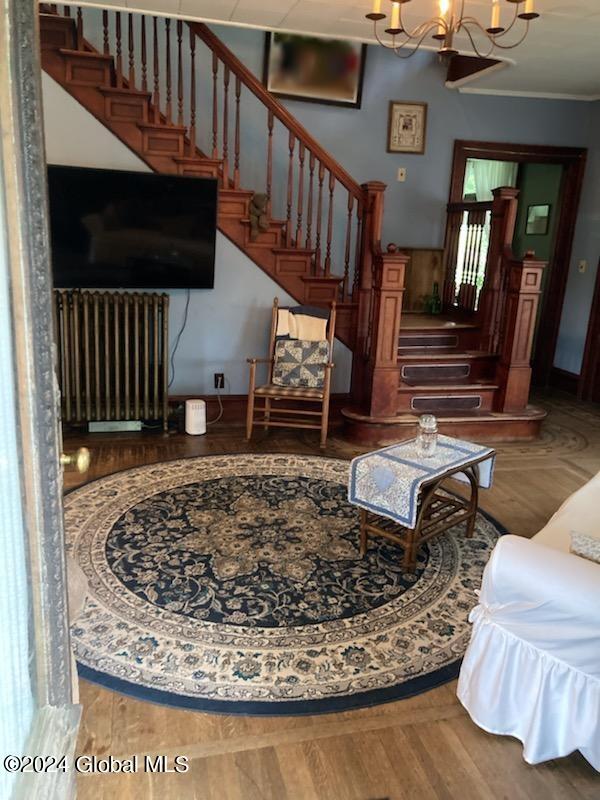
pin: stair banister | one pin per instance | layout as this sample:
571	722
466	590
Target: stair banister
279	111
504	216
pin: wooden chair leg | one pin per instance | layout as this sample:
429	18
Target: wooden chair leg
267	412
363	532
250	416
324	424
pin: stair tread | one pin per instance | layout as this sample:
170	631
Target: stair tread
67	51
124	90
442	354
162	126
451	387
196	159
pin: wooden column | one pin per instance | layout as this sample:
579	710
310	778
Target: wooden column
504	215
370	243
524	286
385	330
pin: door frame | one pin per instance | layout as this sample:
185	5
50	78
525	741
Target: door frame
590	366
23	183
573	161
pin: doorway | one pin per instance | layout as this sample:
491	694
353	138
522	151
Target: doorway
549	179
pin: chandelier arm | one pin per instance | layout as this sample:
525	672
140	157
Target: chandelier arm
517	43
491	38
474	45
421	30
387	45
414	49
474	21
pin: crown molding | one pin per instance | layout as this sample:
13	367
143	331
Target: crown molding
582	98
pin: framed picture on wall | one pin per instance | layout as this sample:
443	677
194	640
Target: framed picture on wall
407	126
317	70
538	218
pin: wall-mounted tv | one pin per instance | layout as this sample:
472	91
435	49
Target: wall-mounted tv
112	229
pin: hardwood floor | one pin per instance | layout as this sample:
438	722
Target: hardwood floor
423	747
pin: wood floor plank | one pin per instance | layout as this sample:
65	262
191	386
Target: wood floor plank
422	748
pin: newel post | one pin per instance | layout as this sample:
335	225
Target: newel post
523	289
504	217
370	244
383	369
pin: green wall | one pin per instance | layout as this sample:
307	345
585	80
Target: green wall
538	184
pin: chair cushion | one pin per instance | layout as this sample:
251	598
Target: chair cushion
298	392
300	363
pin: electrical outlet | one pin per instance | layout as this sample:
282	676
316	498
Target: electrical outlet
582	266
219	380
401	174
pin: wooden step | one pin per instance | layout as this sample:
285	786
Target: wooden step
446	398
446	367
162	140
234	203
320	289
57	32
293	261
83	68
126	105
198	167
273	237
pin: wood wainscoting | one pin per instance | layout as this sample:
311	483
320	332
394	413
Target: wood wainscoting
426	267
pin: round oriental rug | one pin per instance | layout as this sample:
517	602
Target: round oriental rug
234	584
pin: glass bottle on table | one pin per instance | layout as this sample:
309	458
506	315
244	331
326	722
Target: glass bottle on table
427	435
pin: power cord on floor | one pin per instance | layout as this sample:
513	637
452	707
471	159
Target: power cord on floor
178	337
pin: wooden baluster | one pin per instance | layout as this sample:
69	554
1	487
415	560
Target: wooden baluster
346	281
329	225
225	126
300	195
290	190
130	44
309	209
319	219
236	155
355	282
144	54
179	73
269	159
119	60
156	68
215	108
106	45
193	93
169	108
79	28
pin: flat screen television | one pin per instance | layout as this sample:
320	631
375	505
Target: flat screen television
112	229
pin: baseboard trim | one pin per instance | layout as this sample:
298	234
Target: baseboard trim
234	406
563	380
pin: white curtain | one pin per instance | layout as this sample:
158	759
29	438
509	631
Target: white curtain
486	175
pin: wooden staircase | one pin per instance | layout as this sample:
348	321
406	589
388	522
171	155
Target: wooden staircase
184	104
133	80
439	372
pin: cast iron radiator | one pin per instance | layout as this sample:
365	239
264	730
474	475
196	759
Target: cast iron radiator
113	355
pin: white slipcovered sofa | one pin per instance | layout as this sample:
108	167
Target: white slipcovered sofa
532	668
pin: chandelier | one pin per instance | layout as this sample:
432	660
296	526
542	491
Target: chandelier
451	21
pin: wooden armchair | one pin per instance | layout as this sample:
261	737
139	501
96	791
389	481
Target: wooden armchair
294	413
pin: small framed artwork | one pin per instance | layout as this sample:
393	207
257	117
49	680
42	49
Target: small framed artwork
317	70
407	127
538	219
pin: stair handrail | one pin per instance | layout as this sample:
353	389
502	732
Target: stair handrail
278	109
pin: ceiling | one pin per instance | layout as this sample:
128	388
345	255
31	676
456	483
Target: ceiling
560	57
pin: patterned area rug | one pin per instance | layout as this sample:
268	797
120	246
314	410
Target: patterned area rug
234	584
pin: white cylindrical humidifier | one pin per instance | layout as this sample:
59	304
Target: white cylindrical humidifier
195	417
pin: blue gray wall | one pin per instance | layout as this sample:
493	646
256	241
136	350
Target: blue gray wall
415	209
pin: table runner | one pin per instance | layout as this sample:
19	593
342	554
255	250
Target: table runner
388	481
